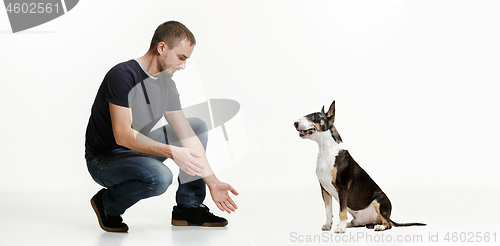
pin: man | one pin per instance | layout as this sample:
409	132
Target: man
125	156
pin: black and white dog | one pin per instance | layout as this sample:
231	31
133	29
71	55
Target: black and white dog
342	178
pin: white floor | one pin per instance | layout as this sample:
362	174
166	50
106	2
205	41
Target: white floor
265	217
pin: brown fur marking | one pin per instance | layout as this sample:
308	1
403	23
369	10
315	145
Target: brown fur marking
385	223
326	196
343	214
318	126
334	176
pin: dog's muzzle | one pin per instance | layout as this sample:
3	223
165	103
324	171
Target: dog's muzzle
303	133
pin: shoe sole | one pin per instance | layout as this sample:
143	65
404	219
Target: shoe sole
206	224
108	229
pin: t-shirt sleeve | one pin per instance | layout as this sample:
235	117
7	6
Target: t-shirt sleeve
119	83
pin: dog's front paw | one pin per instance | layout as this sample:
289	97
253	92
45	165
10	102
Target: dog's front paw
340	230
379	228
326	227
341	227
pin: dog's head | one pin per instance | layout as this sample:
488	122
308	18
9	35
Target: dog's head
310	124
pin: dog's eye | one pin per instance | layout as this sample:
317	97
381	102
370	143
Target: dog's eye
318	117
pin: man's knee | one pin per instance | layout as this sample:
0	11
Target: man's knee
200	128
198	125
159	181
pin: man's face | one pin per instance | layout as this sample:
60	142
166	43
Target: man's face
175	59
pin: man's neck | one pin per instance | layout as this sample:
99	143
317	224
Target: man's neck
149	62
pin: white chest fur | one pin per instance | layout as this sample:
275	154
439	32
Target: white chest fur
328	152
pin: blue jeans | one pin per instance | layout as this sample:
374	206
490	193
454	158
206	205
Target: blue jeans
131	176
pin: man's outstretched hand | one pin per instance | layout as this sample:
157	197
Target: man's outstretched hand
220	195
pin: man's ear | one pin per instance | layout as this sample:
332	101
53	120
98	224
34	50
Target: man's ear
161	47
331	112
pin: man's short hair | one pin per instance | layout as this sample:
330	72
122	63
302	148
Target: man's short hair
172	33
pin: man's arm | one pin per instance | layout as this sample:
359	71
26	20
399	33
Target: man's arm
121	121
187	137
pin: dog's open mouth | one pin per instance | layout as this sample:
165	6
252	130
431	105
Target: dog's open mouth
303	133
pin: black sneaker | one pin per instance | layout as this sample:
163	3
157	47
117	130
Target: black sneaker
200	216
107	223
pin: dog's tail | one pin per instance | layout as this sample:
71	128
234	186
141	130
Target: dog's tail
407	224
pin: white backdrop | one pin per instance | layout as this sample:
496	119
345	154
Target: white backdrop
414	82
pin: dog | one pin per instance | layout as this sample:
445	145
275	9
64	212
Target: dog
342	178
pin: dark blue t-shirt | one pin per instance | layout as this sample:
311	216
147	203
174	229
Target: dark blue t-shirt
124	86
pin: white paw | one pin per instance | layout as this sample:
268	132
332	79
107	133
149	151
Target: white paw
340	229
379	228
326	227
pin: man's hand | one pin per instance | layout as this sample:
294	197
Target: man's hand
186	159
220	196
193	161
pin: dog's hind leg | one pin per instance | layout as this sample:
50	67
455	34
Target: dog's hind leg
327	198
383	208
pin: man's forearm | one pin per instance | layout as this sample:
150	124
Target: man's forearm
140	143
195	144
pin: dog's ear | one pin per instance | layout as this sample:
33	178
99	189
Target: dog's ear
323	110
331	112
